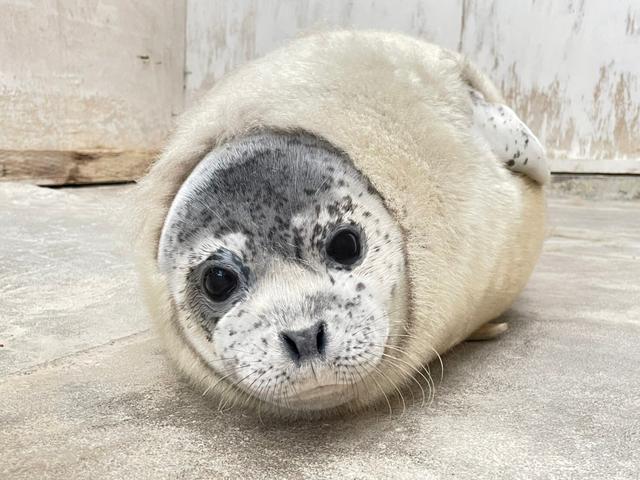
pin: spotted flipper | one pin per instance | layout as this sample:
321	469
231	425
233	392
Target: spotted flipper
509	138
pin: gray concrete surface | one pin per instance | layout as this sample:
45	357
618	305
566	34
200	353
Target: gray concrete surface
85	391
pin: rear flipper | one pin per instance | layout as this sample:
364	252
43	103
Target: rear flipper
488	331
508	138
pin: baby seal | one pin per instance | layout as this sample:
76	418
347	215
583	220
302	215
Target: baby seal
330	218
287	269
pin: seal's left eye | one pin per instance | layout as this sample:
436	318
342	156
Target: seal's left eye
219	283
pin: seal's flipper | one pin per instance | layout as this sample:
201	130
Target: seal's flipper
488	331
509	138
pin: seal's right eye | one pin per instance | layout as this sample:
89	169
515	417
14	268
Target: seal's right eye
219	283
344	246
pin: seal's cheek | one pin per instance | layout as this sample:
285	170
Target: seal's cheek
358	342
245	343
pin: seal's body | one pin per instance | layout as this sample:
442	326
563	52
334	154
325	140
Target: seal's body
333	216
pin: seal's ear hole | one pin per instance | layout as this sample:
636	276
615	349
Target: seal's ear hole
345	245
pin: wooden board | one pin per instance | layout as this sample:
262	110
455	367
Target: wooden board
87	89
615	166
51	167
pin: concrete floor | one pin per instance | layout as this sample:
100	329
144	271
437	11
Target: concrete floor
85	391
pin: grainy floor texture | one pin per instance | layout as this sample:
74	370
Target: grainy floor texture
86	392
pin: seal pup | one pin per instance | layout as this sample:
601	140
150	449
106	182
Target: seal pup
259	266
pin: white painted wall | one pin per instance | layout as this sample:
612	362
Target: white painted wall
222	34
89	74
112	74
570	68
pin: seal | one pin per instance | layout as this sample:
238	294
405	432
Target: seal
331	218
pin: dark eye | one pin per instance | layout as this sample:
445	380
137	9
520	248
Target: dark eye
219	283
344	246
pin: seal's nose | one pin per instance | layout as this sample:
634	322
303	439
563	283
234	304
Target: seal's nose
305	344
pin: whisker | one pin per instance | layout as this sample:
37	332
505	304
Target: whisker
429	380
411	376
383	393
395	386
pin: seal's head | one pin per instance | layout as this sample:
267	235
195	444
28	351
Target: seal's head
287	271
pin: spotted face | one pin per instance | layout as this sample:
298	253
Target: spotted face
287	270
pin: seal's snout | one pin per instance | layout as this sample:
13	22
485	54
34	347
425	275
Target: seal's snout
305	344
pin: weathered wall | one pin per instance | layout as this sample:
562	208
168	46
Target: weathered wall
89	88
571	69
222	34
89	74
